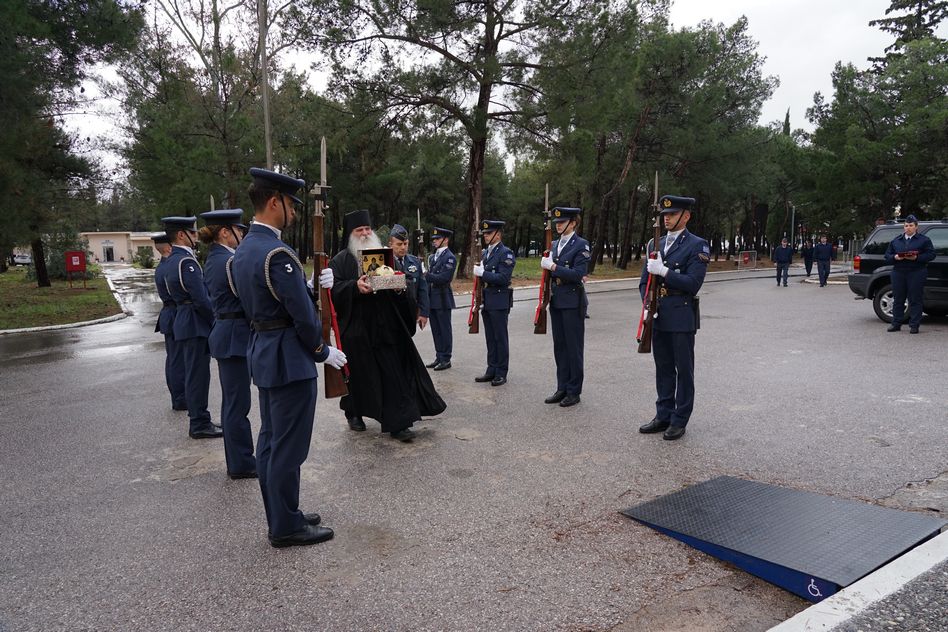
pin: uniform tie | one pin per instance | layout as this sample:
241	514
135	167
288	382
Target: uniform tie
401	264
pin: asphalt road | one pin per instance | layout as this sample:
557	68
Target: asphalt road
502	515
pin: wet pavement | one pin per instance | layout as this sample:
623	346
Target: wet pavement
502	515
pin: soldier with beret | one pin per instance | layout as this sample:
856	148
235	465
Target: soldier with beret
441	267
228	339
410	265
823	253
174	359
567	264
193	318
285	345
909	254
680	263
494	270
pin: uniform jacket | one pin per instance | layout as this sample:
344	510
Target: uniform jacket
439	277
229	336
823	252
165	322
498	268
271	287
920	243
572	262
417	285
782	255
687	262
184	280
807	252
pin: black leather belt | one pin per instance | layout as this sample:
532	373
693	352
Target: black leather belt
230	315
185	302
270	325
168	303
666	292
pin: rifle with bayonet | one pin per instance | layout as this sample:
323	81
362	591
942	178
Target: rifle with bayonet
539	318
477	300
650	304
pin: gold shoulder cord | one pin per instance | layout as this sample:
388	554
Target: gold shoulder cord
230	276
266	268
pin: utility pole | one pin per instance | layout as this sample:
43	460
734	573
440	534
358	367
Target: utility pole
262	25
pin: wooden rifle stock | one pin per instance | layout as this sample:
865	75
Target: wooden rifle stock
650	304
543	302
474	315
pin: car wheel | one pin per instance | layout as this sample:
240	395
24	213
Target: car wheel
882	303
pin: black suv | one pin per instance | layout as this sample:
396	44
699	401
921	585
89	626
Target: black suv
870	278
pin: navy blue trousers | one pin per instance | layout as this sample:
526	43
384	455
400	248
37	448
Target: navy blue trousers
911	286
287	414
674	354
440	321
808	263
782	269
498	345
823	268
197	381
174	373
569	333
235	405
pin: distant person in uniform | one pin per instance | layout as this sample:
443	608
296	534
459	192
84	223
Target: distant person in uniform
410	265
285	345
567	263
909	254
174	358
681	264
229	338
387	378
807	253
494	271
441	268
783	257
193	318
823	253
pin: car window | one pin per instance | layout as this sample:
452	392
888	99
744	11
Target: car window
939	237
879	241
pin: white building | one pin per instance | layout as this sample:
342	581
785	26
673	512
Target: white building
114	247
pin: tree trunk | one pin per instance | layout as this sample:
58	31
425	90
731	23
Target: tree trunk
475	190
626	252
39	260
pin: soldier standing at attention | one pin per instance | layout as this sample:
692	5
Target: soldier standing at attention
174	360
567	264
909	255
410	265
193	317
228	340
823	253
441	266
681	263
285	345
494	270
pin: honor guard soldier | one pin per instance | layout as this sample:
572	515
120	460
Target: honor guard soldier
567	264
909	255
441	266
285	343
174	359
410	265
494	270
193	318
681	262
228	340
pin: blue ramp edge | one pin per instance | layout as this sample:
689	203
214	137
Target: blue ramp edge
806	543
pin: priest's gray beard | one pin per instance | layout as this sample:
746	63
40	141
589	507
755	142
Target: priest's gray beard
361	243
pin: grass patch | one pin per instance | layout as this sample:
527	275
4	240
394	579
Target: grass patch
22	304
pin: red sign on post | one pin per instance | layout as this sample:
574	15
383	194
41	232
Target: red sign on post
75	261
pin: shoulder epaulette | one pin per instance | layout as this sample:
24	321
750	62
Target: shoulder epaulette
266	266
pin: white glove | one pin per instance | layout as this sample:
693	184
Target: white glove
546	263
478	270
657	266
326	279
336	358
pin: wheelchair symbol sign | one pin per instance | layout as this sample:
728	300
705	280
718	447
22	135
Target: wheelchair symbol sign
813	589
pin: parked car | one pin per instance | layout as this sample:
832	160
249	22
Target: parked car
871	277
22	260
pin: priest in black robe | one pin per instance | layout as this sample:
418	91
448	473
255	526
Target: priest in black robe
388	381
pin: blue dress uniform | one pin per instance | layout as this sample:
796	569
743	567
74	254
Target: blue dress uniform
285	343
823	253
174	358
192	324
568	307
677	319
498	262
908	276
228	345
417	285
441	267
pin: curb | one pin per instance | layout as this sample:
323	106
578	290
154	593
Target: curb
872	588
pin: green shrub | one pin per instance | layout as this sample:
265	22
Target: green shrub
145	257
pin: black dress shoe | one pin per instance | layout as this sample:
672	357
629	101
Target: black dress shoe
656	425
238	475
674	432
569	400
441	366
913	330
555	398
498	381
312	518
432	365
356	423
309	534
211	432
484	378
405	436
894	327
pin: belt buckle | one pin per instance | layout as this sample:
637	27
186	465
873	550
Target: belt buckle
559	281
663	292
